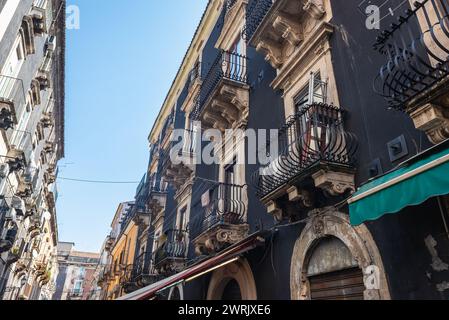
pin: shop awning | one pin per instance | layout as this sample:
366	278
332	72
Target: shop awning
201	268
412	183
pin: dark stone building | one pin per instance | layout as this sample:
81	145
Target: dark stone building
312	222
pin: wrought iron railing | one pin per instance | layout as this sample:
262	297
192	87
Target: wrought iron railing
417	52
227	66
174	247
255	13
142	264
312	136
225	205
12	91
195	73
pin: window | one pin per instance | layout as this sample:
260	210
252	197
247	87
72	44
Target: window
181	217
20	136
15	60
307	96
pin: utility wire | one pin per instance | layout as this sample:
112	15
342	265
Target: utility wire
98	181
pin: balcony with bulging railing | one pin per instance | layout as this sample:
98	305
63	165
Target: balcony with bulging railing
277	27
223	101
12	101
222	219
42	15
315	152
178	160
144	273
170	256
415	76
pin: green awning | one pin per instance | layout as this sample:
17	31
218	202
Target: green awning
414	182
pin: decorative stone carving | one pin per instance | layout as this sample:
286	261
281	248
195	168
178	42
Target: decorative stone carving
286	27
274	210
294	195
228	108
334	183
272	51
289	28
433	120
315	8
216	238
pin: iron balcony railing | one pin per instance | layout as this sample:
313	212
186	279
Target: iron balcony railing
312	136
142	264
255	13
224	205
229	66
417	52
12	92
194	74
174	247
190	140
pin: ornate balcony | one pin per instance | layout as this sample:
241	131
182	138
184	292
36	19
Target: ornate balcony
157	201
42	13
179	160
127	279
223	219
223	102
11	98
170	257
315	153
144	273
277	27
8	241
415	77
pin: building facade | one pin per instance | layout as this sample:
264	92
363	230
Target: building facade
76	273
32	45
346	200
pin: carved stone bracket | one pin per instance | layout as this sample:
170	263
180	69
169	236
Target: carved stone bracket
228	108
285	28
334	183
315	8
433	120
274	210
215	239
294	195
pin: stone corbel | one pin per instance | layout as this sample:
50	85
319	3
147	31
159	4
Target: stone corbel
433	120
315	8
334	183
295	195
227	109
216	120
274	210
289	28
272	51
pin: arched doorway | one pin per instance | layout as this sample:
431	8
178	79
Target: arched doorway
233	282
334	260
333	272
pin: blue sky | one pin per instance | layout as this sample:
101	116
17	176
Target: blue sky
120	66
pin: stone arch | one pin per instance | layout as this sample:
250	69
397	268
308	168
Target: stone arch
241	272
360	244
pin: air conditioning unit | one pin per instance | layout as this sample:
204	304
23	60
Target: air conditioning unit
51	43
19	205
4	170
11	215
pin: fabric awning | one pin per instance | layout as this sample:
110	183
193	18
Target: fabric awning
412	183
200	268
